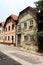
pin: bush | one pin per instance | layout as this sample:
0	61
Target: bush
40	40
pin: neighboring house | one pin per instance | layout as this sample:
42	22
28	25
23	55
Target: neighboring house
1	32
27	28
10	30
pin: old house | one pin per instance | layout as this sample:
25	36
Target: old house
1	32
27	28
10	30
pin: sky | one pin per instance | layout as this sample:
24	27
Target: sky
8	7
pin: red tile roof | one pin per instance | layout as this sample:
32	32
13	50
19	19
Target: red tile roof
14	17
3	23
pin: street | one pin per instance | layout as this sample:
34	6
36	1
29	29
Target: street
13	56
5	60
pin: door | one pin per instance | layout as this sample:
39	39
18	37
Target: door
19	39
12	39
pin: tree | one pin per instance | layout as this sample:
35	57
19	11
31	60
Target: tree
39	7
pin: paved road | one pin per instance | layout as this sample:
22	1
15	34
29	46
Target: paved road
21	57
5	60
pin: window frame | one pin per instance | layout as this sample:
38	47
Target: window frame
31	37
25	25
25	38
31	22
8	37
12	26
8	28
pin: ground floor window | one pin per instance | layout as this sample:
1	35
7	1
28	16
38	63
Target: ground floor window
25	38
31	37
5	37
0	38
12	39
8	37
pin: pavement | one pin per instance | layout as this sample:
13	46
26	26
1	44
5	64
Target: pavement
5	60
21	57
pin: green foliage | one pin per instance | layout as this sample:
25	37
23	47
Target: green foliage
40	33
39	5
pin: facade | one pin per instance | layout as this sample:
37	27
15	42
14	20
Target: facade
10	30
1	32
27	28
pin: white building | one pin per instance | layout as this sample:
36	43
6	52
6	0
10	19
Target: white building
1	32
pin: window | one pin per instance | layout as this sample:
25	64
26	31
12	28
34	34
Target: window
8	37
25	38
12	26
19	28
9	20
25	25
5	37
12	39
9	28
0	38
32	37
31	22
21	16
6	29
0	31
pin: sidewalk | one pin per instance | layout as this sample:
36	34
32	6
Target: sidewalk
21	56
28	51
7	51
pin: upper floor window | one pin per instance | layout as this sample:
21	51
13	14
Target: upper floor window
21	15
12	26
2	30
9	28
25	25
24	14
6	28
31	22
9	20
19	27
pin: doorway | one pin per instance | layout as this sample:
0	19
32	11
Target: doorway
12	39
19	39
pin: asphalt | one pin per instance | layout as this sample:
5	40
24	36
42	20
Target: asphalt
5	60
17	57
